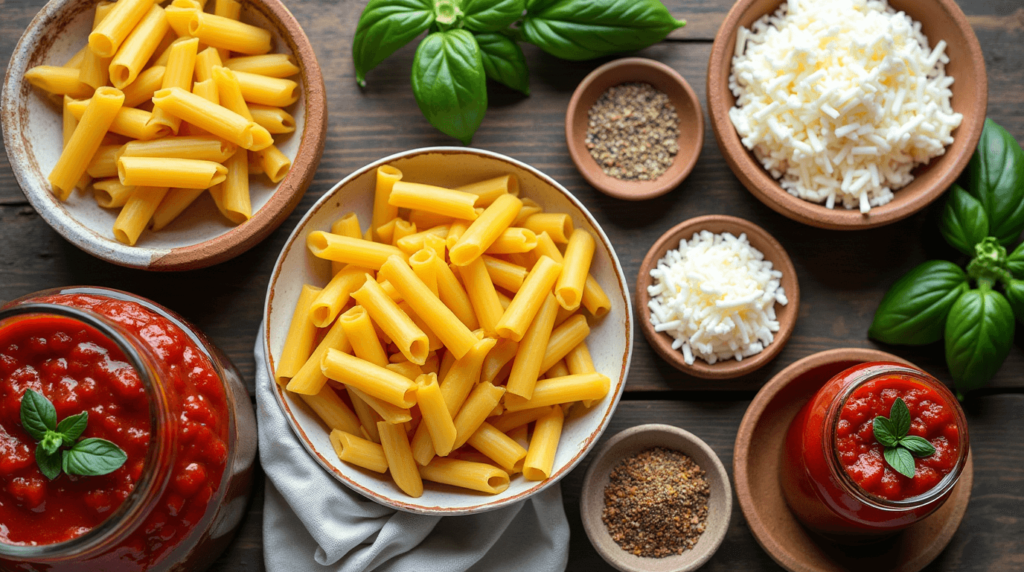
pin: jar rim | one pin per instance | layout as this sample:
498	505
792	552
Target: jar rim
116	526
872	372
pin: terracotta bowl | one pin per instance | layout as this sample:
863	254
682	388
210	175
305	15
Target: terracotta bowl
759	239
635	440
610	340
667	80
940	19
756	459
200	236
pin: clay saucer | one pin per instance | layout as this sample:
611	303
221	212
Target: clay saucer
665	79
756	468
635	440
940	20
759	239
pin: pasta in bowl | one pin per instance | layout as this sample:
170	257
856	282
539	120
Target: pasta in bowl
165	137
449	331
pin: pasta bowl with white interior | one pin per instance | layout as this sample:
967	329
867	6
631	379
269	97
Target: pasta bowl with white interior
199	236
610	340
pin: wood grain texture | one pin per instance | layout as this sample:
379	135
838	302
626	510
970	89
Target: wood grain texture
842	275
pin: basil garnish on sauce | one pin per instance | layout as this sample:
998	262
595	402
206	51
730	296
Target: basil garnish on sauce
900	448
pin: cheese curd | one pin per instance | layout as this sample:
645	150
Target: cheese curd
715	295
841	99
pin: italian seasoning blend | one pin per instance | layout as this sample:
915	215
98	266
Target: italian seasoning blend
633	132
656	503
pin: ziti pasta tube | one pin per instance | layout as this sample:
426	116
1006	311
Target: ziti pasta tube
359	452
528	299
351	250
138	47
436	417
383	211
437	200
298	344
488	191
228	34
270	65
137	212
482	295
374	380
474	411
485	230
466	474
206	115
403	467
332	410
527	365
558	390
564	339
336	294
543	445
107	37
498	447
575	269
396	324
201	148
59	81
86	139
181	173
557	225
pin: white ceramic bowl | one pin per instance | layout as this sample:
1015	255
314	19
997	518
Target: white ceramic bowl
610	341
200	236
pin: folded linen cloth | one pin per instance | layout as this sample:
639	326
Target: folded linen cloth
312	522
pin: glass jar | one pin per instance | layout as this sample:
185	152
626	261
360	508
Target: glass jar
156	386
833	473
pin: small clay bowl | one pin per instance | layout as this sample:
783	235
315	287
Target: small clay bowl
759	239
755	466
200	236
940	20
635	440
667	80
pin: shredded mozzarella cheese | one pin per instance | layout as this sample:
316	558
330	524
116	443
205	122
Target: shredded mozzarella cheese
715	295
841	99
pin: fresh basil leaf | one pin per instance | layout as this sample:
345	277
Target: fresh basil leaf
1015	296
72	427
900	460
48	462
899	416
491	15
449	83
504	61
964	222
918	446
884	431
51	442
385	26
93	457
996	175
979	333
37	414
534	6
1015	261
913	312
587	29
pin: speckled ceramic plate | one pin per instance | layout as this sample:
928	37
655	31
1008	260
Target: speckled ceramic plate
200	236
610	341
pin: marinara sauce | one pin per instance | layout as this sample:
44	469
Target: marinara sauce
834	475
154	387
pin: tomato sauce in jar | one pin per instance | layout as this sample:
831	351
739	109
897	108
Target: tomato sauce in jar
834	476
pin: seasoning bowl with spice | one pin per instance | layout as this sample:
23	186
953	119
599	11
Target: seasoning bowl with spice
656	498
634	128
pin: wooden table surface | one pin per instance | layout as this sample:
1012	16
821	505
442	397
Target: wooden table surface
842	275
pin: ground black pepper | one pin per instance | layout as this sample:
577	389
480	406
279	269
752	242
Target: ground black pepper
633	132
656	503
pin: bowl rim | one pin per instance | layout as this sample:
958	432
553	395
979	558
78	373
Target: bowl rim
605	183
726	369
588	502
767	190
236	240
484	505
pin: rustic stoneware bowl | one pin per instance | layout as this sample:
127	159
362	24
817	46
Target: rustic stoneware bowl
635	440
755	466
667	80
610	341
200	237
759	239
940	20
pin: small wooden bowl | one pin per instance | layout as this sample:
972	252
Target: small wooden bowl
755	466
940	20
667	80
759	239
200	236
633	441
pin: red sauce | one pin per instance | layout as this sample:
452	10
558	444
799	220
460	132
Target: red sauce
79	369
861	454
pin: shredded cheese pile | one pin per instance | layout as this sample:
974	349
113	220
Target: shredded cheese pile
841	99
716	297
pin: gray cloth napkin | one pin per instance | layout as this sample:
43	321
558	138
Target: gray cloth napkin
313	522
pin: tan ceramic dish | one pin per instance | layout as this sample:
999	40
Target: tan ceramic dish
633	441
666	79
756	468
940	19
199	237
759	239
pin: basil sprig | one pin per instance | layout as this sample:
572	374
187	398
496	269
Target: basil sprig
88	457
973	310
900	448
470	41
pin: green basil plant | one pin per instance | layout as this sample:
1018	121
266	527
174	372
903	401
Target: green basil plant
972	310
470	41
